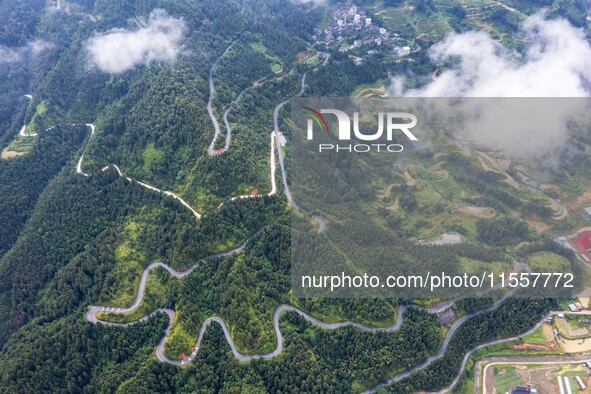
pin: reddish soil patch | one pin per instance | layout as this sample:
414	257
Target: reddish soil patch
533	346
254	191
183	356
7	154
538	225
479	212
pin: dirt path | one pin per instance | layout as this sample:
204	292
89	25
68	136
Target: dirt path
388	191
479	212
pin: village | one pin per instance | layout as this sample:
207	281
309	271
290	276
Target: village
352	30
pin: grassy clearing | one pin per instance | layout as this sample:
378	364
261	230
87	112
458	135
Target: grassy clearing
471	266
548	262
503	382
151	155
537	337
34	125
571	185
275	60
276	68
571	371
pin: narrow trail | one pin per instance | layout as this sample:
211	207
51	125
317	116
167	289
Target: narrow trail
321	223
145	185
216	125
79	165
197	215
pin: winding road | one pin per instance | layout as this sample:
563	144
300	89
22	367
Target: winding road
79	165
210	149
216	125
91	315
22	132
279	151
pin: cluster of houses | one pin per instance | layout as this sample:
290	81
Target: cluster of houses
352	28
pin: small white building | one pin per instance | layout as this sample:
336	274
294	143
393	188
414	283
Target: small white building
382	31
404	51
587	213
367	21
448	239
357	18
357	43
340	23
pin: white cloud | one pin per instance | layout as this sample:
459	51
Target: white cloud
19	54
119	50
555	63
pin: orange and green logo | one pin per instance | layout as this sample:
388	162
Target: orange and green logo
318	118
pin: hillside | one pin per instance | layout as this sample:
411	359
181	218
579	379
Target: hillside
147	220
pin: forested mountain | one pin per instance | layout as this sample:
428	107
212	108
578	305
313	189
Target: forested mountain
112	163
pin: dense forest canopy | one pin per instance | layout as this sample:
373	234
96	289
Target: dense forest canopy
83	215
